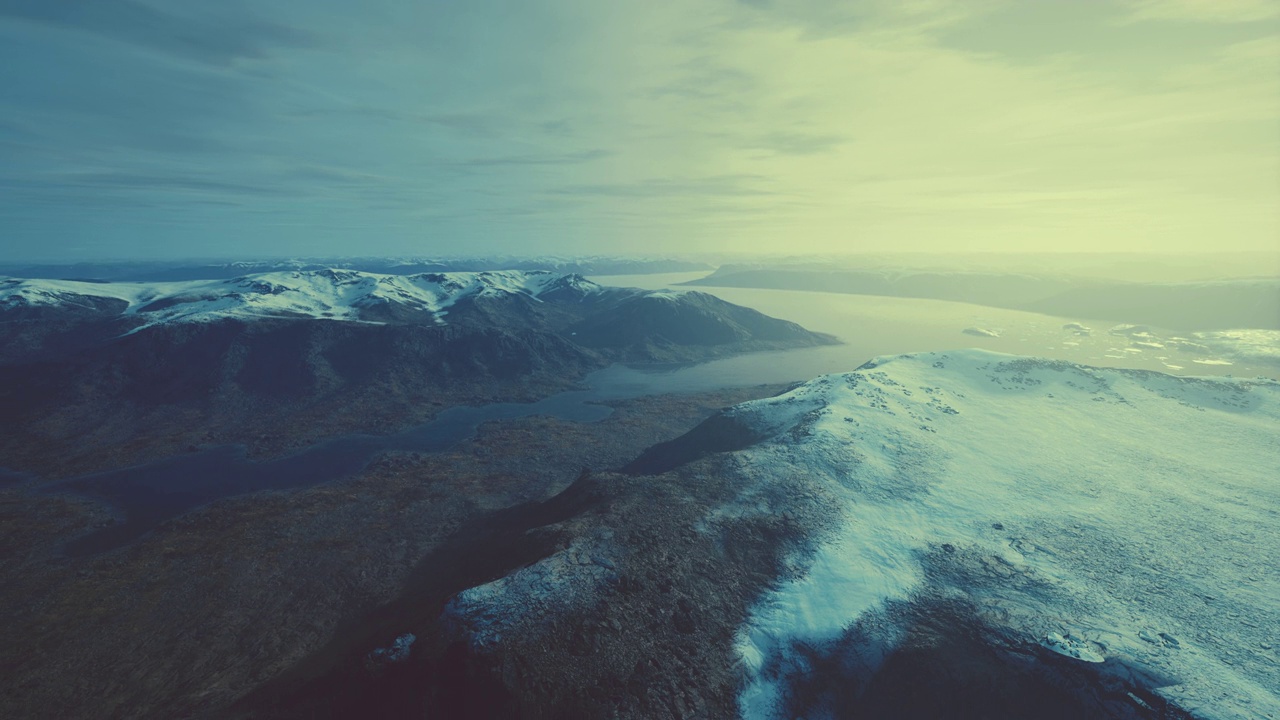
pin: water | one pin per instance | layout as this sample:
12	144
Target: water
149	494
871	326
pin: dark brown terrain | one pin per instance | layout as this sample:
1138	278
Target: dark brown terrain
284	593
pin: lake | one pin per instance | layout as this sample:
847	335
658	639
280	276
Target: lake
872	325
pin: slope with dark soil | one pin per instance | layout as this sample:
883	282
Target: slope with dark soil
274	600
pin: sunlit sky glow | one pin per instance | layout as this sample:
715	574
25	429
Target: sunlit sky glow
149	128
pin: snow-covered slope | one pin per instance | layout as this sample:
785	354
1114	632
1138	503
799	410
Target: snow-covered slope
328	293
1122	517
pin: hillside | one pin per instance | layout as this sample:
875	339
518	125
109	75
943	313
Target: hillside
93	375
973	530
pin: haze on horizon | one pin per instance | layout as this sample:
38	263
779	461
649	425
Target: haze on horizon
139	128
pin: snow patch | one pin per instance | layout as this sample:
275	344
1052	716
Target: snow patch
667	294
1072	646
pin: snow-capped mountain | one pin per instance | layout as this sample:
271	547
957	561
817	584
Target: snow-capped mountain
1104	514
328	293
1113	531
396	346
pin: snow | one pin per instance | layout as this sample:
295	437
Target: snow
1072	646
1142	505
327	293
668	294
981	332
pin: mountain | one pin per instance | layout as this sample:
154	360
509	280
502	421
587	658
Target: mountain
182	270
961	534
1252	303
317	294
95	373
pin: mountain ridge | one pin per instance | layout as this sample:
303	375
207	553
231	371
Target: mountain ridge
1007	494
99	369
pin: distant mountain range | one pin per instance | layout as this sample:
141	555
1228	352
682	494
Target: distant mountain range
178	270
86	365
318	294
1252	303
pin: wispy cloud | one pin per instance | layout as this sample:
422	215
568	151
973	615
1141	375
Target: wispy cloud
234	126
568	158
1196	11
798	142
680	188
230	34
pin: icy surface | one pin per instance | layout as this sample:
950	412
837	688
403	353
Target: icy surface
328	293
1140	510
1072	647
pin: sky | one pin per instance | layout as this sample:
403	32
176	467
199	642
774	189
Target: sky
268	128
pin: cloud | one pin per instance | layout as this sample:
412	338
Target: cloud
925	124
1196	11
139	182
704	78
669	188
798	143
204	38
568	158
819	19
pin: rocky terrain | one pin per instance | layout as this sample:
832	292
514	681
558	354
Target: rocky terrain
268	605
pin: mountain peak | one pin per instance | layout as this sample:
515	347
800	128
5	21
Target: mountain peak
329	293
